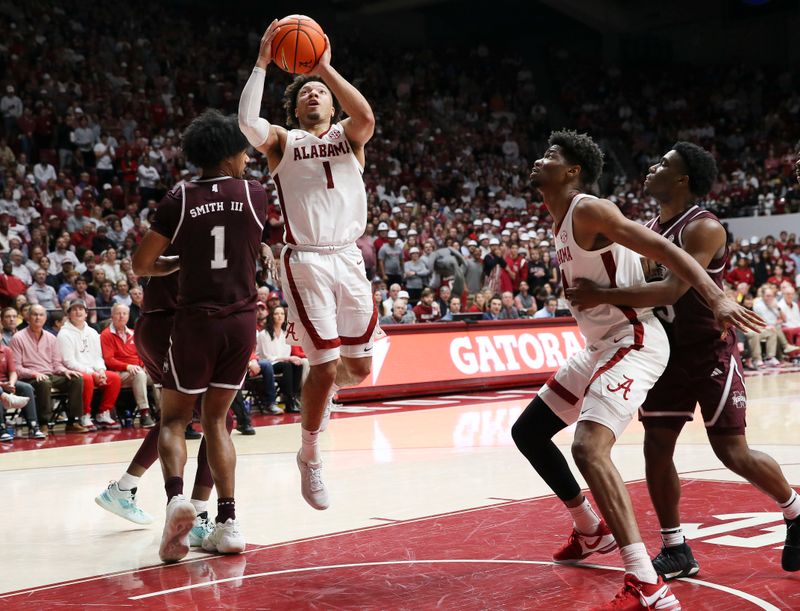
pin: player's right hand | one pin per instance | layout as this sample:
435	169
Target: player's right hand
730	314
265	49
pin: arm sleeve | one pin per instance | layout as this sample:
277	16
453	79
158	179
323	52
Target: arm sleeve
255	129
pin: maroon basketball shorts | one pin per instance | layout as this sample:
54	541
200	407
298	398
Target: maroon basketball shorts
207	351
151	337
716	383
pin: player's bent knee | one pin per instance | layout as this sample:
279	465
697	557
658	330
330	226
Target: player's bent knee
587	455
324	372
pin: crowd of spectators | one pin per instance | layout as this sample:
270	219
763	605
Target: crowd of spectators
94	98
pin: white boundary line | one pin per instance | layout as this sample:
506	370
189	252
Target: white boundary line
762	604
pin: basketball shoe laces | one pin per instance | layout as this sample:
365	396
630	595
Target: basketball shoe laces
315	477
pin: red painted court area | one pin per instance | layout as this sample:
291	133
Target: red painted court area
496	557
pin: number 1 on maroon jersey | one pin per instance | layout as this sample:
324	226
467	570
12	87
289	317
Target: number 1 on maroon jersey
328	174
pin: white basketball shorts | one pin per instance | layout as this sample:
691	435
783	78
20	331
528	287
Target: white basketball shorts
608	381
331	307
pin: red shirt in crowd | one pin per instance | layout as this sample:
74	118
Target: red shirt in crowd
425	313
517	270
10	287
118	351
741	274
6	363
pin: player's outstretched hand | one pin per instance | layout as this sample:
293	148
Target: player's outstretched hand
325	58
730	314
265	49
584	294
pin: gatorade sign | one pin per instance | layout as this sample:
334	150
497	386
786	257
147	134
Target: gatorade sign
428	358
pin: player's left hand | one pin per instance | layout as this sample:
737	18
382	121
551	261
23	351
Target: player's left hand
584	294
267	259
730	314
325	59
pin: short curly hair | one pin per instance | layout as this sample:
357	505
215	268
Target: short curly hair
580	149
701	167
290	100
211	138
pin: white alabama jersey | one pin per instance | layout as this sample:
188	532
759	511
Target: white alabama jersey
321	189
611	267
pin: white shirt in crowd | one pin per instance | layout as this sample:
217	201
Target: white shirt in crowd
80	348
792	313
148	177
271	349
57	258
105	160
22	272
44	172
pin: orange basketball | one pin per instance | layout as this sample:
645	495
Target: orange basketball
298	44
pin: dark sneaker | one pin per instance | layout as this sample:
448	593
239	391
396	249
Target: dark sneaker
192	434
790	558
246	429
676	561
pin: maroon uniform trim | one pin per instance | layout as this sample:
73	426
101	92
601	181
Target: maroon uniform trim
630	314
362	339
282	203
560	391
319	343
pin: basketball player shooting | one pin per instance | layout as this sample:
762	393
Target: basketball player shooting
704	364
317	165
602	386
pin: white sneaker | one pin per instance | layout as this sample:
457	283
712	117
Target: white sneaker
86	420
200	530
225	538
179	521
311	484
105	420
123	504
772	362
14	401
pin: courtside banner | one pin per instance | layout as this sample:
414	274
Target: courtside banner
443	357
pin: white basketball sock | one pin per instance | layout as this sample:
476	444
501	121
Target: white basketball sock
791	508
638	563
128	482
199	506
309	451
672	536
584	518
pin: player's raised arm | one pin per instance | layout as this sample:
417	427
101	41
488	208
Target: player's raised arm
259	133
606	218
360	122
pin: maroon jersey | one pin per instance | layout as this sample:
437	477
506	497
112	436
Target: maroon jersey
215	227
690	321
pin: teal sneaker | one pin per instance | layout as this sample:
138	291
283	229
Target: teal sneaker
123	504
201	529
